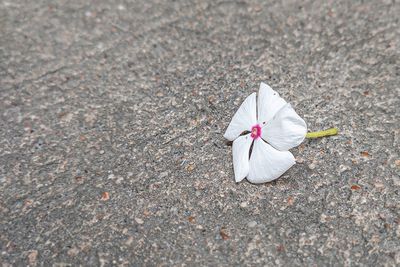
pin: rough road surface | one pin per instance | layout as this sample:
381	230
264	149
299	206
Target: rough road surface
111	123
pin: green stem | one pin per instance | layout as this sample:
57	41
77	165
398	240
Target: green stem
329	132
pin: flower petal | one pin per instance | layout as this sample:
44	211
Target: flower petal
269	103
286	130
240	152
267	163
244	118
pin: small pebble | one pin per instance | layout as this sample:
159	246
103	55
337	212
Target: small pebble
243	204
252	224
139	221
32	257
105	196
190	167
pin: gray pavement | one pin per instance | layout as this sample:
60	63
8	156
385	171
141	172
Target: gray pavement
111	123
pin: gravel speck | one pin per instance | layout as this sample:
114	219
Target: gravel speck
252	224
139	221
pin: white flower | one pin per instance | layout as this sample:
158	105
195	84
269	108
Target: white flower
274	130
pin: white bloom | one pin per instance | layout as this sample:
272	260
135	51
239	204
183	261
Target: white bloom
274	130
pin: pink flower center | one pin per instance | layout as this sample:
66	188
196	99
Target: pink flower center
255	131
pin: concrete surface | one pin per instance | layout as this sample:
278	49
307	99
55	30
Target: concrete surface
112	115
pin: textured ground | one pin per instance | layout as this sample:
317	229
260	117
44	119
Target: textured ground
112	115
